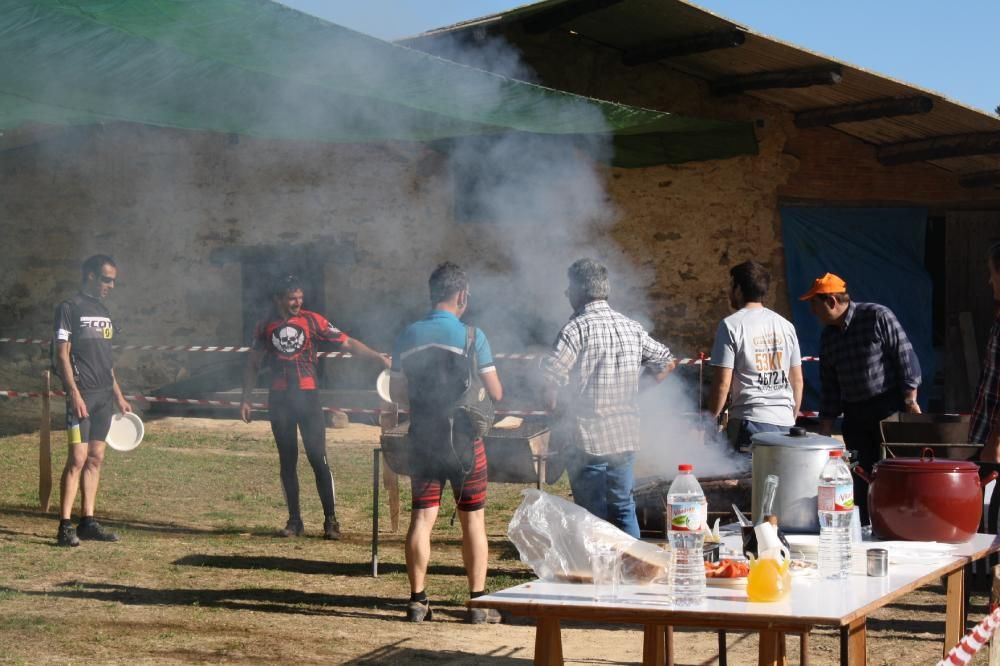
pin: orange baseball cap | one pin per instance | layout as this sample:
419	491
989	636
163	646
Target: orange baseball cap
828	284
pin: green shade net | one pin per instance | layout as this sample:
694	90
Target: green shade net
259	68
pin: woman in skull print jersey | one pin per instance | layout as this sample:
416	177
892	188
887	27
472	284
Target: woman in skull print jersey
287	341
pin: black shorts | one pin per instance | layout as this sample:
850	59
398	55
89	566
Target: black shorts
100	408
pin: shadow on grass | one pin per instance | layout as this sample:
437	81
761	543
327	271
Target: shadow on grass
325	567
398	653
260	600
128	523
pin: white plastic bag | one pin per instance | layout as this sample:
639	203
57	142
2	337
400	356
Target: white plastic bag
559	539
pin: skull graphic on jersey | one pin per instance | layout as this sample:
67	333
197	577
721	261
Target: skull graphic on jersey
288	339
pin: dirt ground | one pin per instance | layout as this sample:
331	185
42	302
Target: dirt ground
198	576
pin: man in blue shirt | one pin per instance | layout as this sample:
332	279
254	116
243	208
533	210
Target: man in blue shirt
430	368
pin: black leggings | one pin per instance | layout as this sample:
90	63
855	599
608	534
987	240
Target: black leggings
293	410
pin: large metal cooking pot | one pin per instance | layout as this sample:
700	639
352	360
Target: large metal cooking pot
923	499
797	458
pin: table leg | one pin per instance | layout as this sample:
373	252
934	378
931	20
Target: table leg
654	649
771	651
804	648
723	657
853	644
668	639
548	642
954	624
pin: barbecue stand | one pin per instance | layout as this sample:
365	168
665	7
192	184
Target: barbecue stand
517	455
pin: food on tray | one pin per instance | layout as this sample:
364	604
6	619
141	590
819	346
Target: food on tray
727	569
802	565
713	535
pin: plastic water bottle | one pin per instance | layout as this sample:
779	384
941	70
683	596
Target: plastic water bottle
687	514
836	512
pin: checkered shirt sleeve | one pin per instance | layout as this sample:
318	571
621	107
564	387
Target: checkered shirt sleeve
986	411
598	357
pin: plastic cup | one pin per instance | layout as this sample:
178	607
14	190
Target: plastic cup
606	569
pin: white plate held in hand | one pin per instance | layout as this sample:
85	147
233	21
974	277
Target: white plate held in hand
126	432
382	386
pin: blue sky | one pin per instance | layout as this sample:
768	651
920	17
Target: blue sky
948	47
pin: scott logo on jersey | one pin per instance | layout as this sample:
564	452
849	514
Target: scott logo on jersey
101	324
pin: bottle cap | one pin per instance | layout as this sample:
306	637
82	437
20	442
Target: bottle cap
837	453
685	468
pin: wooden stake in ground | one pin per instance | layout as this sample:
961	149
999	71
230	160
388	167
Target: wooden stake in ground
45	447
389	418
994	600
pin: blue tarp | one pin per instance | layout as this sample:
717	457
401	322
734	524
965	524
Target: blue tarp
879	252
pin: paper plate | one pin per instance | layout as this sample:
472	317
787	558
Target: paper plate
726	582
382	386
126	432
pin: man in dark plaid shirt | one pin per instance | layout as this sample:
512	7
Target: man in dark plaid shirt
597	359
984	427
868	370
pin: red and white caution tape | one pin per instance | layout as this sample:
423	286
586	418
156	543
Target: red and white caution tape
232	403
973	642
510	356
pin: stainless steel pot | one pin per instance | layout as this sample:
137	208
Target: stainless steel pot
797	458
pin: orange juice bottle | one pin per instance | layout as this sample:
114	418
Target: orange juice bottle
768	579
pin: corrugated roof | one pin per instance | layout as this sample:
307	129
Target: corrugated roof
629	24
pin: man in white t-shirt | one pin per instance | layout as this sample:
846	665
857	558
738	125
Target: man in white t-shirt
756	361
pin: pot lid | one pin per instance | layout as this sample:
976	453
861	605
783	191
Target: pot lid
927	463
796	438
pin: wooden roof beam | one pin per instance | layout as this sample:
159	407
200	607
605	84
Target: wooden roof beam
548	19
682	46
861	111
981	179
823	75
939	147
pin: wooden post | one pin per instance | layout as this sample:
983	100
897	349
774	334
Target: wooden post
45	447
994	600
389	418
954	623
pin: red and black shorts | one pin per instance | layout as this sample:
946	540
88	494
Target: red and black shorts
469	490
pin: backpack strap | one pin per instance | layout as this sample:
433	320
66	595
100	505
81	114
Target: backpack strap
470	349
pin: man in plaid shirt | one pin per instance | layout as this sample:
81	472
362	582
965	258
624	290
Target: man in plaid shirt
984	426
596	361
868	370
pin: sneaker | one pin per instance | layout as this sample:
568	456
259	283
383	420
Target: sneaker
67	536
93	531
419	611
292	528
331	529
482	616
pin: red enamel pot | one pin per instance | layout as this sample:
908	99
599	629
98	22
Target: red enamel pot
924	499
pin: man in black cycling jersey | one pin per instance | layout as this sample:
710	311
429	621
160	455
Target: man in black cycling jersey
82	344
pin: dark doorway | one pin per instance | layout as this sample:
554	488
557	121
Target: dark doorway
970	306
263	266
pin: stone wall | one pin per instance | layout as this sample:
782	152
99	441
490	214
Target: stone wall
180	209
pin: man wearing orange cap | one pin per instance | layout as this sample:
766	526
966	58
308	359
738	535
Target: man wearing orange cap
868	370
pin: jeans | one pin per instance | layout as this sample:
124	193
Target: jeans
603	486
740	432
